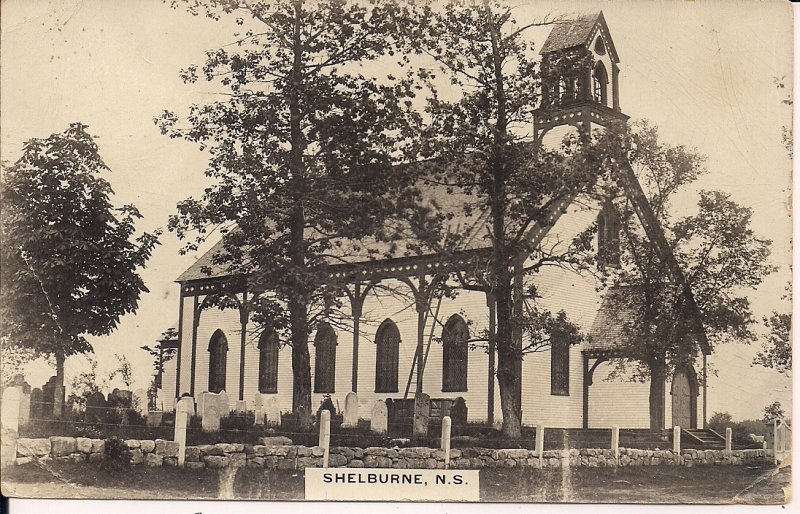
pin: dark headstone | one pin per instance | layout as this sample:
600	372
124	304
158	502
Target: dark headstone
458	412
36	403
52	398
120	398
422	412
96	407
19	381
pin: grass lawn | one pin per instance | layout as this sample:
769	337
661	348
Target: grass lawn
663	484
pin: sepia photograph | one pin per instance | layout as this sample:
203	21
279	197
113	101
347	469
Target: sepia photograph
532	251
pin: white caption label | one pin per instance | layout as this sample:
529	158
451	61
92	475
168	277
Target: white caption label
391	484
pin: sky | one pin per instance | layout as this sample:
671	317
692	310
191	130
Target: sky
702	71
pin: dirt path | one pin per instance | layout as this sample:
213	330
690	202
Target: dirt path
772	488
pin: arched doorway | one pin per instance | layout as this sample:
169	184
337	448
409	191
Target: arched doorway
684	398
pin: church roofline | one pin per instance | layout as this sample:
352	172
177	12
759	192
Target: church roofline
579	32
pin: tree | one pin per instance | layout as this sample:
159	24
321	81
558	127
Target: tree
480	146
772	412
70	258
777	349
717	251
302	152
124	371
14	359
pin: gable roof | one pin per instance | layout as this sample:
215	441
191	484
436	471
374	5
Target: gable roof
579	31
609	323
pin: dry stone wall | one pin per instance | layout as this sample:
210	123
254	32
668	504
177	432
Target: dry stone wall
286	456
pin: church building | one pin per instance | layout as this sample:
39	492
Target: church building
388	340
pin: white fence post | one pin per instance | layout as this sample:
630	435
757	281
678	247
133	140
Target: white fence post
447	424
615	442
9	422
728	440
325	436
676	439
181	420
540	442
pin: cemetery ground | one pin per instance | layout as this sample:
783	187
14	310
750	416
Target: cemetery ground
654	484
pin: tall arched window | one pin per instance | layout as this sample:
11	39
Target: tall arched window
559	365
454	360
268	347
387	355
325	359
217	361
600	82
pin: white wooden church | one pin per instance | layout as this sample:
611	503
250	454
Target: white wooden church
564	386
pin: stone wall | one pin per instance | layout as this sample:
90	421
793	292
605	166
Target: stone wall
165	453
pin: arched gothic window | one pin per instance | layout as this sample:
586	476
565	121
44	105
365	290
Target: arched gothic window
217	361
268	347
600	82
325	359
559	366
454	359
387	355
608	229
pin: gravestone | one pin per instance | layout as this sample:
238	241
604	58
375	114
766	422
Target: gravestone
422	411
140	401
272	414
350	410
36	403
258	402
223	403
24	397
458	412
120	398
241	406
201	398
96	407
52	398
211	414
379	418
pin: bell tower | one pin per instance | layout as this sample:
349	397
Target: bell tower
580	79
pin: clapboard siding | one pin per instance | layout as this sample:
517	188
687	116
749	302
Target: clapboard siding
617	401
186	345
166	396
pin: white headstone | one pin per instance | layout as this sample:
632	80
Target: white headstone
9	425
210	415
201	398
379	418
350	410
241	406
223	403
272	413
258	402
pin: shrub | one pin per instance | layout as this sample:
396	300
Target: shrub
116	451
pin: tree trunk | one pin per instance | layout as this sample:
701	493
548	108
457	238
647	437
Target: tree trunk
301	363
657	379
58	393
299	295
508	359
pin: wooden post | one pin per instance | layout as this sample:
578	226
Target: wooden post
540	442
775	440
728	440
676	439
181	420
243	318
447	424
615	442
325	436
586	380
9	425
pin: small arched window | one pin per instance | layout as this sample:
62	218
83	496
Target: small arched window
565	93
217	361
599	46
608	229
559	365
268	347
455	337
325	359
387	342
600	83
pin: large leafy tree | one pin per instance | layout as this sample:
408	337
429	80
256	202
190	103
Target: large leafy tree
70	259
303	149
480	140
716	249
